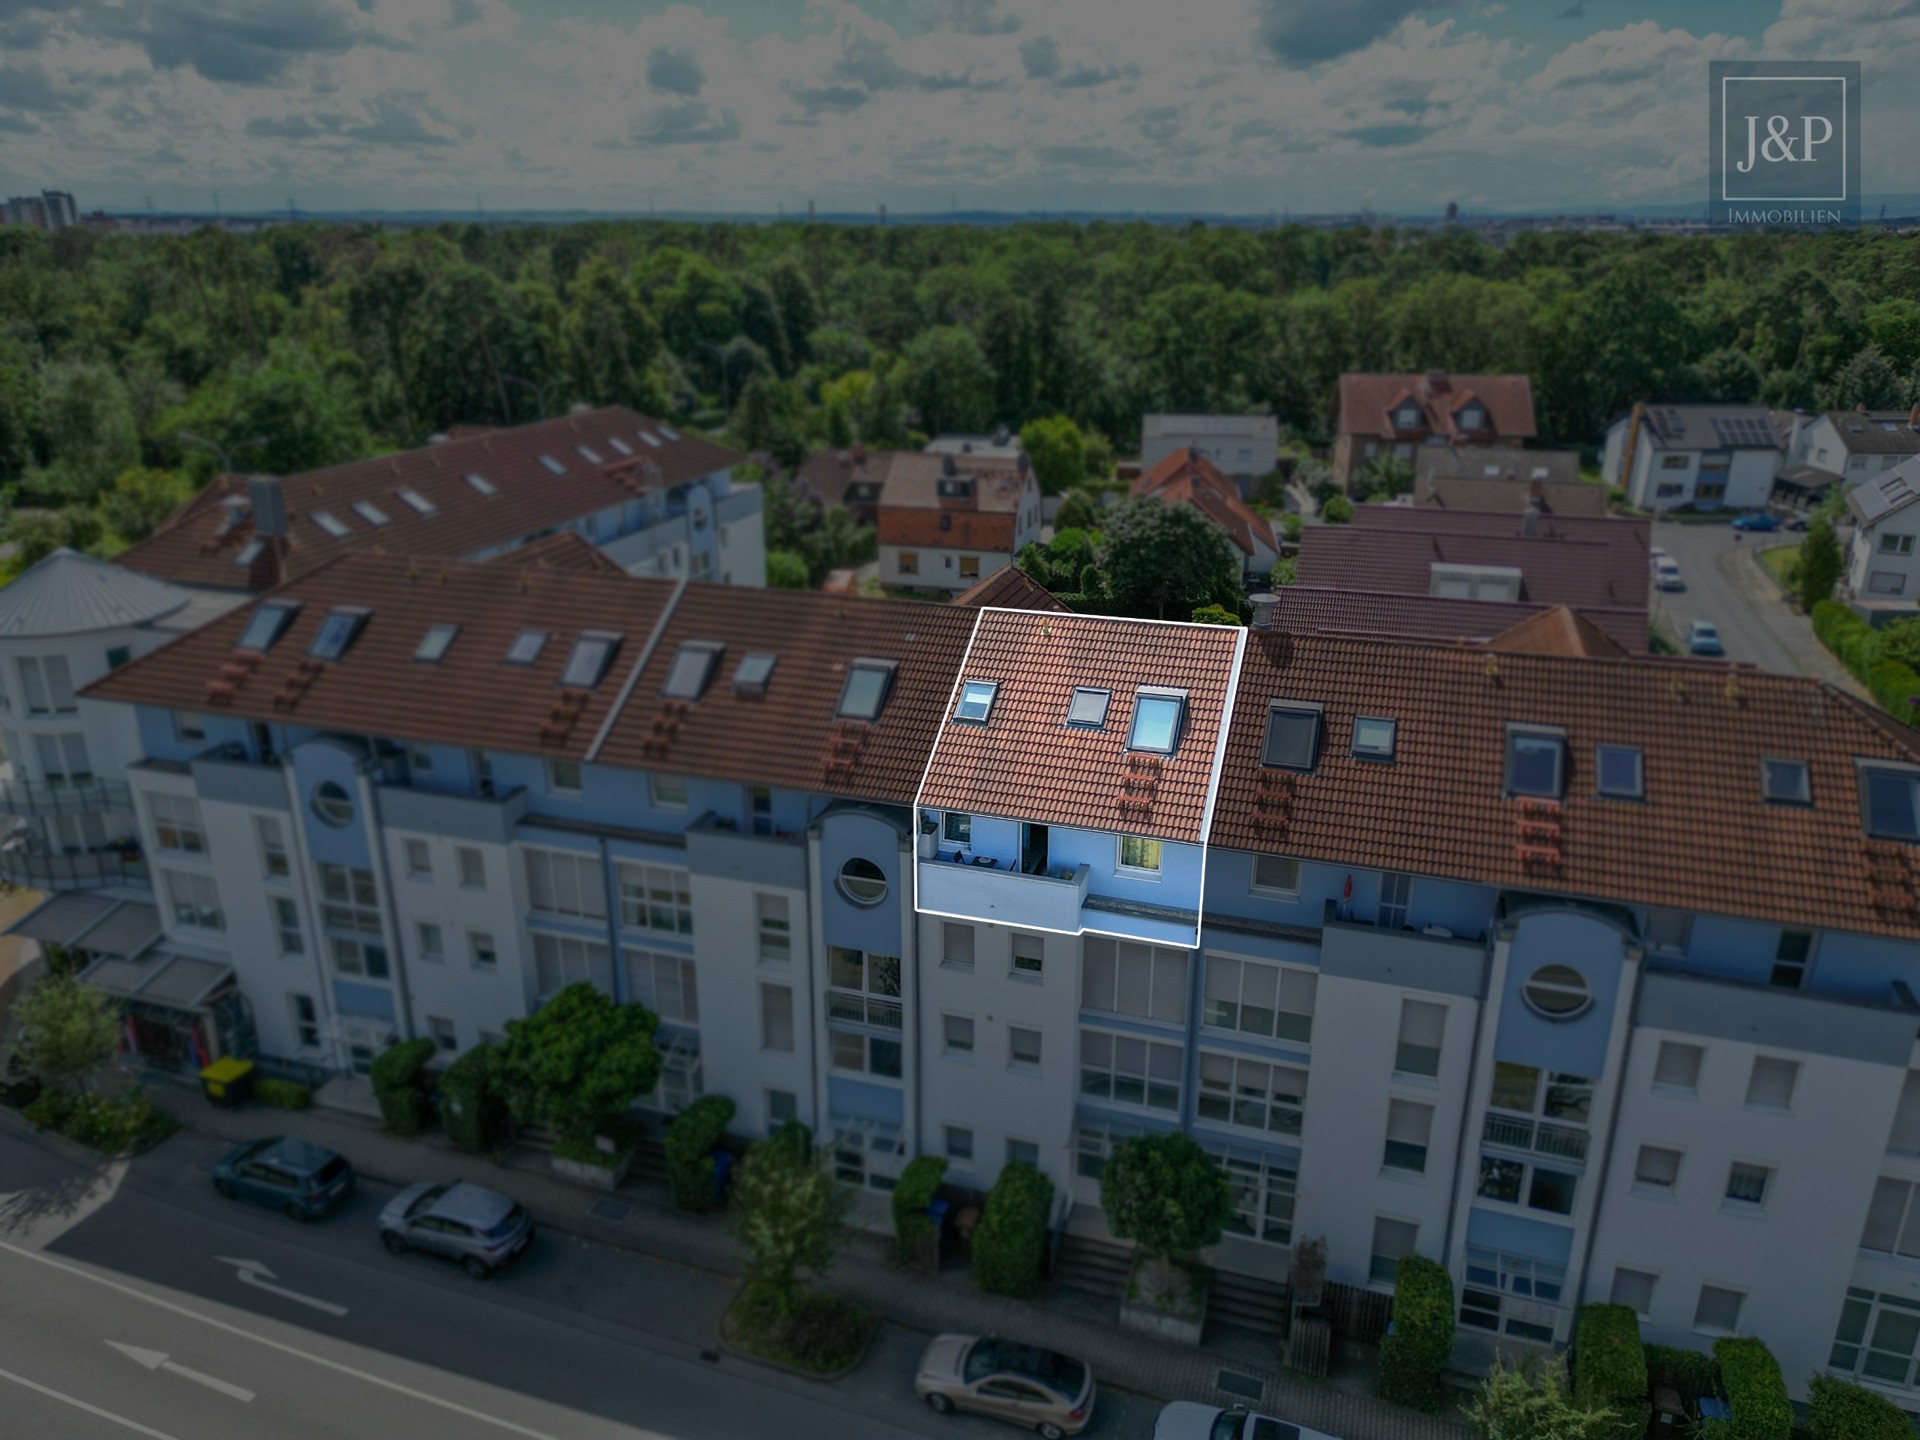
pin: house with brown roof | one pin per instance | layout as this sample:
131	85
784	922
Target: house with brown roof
853	477
654	499
1396	415
1187	477
1245	447
946	522
1493	462
1383	615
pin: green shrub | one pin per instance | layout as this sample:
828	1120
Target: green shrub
1010	1243
1690	1372
911	1223
113	1127
1895	687
282	1094
1610	1366
690	1143
1415	1353
51	1109
395	1074
473	1102
1843	1410
1755	1391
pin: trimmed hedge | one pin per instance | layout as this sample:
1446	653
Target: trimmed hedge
395	1074
911	1196
690	1143
1894	686
1010	1242
1610	1366
1418	1348
1755	1390
473	1103
282	1094
1842	1410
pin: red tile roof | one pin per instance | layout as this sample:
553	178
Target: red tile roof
1367	403
1009	588
1701	840
912	509
1319	610
1500	463
1446	492
1186	477
1027	764
565	551
1554	571
1558	631
853	478
197	547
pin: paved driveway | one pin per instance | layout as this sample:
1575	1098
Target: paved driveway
1726	585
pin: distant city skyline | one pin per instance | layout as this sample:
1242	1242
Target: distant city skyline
1234	107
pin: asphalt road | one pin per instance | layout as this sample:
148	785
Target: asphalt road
123	1312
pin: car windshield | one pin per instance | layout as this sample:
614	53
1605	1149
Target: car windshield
1226	1426
425	1200
507	1223
1000	1357
331	1171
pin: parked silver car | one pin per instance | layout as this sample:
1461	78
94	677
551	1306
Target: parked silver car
1184	1420
482	1229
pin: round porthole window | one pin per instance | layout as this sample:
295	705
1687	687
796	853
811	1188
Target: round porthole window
1558	992
332	804
863	882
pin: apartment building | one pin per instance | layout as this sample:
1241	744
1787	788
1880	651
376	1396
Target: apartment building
1587	976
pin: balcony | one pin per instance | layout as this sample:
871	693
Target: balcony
988	890
857	1009
1356	950
87	870
83	797
1537	1137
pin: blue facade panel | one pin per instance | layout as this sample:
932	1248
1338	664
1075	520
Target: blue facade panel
1517	1235
352	997
862	1097
329	762
1590	946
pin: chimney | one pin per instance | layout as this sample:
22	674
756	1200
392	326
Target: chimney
1793	435
1023	464
1861	408
1530	520
947	467
269	506
1436	381
1263	607
439	437
859	453
1536	492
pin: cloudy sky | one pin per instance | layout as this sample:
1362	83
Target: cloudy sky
1242	106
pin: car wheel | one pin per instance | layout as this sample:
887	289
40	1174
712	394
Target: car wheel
396	1245
295	1211
1050	1431
940	1404
225	1187
476	1267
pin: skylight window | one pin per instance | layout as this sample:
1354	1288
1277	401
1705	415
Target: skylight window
619	445
692	667
269	622
554	467
976	701
865	690
1536	762
1292	741
1088	708
589	454
526	647
480	483
332	524
1373	737
249	553
592	653
337	631
1619	771
434	643
671	436
1784	782
417	502
1892	802
371	513
651	440
752	674
1157	717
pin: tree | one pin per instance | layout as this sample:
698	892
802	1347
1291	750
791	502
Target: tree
66	1029
1383	477
1168	1196
1513	1405
1215	615
90	432
1058	452
1079	511
1868	378
1821	564
1162	560
949	381
1337	510
610	340
787	1209
297	410
140	499
786	570
579	1061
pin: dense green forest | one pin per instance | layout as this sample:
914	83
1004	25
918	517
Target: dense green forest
303	345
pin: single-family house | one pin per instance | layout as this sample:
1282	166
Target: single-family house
1883	570
943	526
1667	457
1399	414
1186	477
1245	447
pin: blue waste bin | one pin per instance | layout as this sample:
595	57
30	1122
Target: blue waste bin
1711	1409
722	1166
937	1212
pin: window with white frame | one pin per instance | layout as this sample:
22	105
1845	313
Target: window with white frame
669	791
1878	1338
1023	1047
957	942
429	942
306	1021
1127	977
956	828
664	984
563	777
273	848
350	901
286	924
1905	1139
865	987
1254	1094
1718	1310
655	897
1409	1130
1396	894
956	1034
1023	1152
1656	1171
1494	1278
774	927
1391	1240
1529	1090
1634	1289
1747	1185
48	685
176	823
1257	998
443	1032
1029	954
559	883
1423	1025
782	1106
473	867
194	900
776	1018
1770	1086
863	1054
482	953
1791	954
1130	1070
64	759
1139	854
1518	1182
359	957
958	1143
563	960
1893	1219
1263	1190
1676	1069
1276	875
419	860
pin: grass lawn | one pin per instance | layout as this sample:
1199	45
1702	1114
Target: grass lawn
1779	560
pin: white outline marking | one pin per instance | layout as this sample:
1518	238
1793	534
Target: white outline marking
121	1420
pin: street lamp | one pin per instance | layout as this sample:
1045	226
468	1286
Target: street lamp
539	391
224	452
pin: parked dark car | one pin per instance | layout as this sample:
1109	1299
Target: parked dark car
480	1228
306	1181
1756	520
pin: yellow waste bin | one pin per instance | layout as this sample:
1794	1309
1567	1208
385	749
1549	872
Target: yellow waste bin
228	1082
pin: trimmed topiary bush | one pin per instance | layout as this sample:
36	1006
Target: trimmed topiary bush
690	1143
473	1102
1755	1391
1010	1243
1610	1366
1843	1410
1417	1349
395	1074
911	1223
282	1094
1687	1371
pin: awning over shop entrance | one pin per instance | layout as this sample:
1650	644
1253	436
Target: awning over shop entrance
98	924
177	982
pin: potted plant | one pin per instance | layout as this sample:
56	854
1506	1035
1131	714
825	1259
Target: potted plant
575	1066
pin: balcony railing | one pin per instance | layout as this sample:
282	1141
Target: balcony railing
81	797
84	871
1540	1137
863	1009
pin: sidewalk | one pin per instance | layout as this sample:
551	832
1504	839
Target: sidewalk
639	1217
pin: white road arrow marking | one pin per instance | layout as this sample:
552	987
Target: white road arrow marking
157	1360
253	1273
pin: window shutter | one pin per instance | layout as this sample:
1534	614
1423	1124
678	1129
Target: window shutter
1136	979
539	881
1422	1023
1906	1120
1771	1083
1096	974
1678	1065
1170	986
1657	1166
599	968
1394	1238
1297	991
1633	1288
60	682
1408	1123
1222	979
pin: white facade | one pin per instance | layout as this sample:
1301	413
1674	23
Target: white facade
1883	559
1244	446
920	568
1668	477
